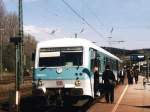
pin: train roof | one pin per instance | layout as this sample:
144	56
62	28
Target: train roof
65	42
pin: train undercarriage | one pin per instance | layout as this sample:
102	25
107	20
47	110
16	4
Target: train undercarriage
64	97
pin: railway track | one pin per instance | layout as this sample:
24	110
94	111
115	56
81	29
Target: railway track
7	87
11	79
8	90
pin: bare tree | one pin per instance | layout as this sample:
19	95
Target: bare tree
9	23
29	47
10	26
2	9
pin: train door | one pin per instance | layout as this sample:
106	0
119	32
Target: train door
95	69
94	60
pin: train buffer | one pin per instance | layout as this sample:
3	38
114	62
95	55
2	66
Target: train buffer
128	98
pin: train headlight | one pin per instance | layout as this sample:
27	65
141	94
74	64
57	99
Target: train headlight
40	83
59	70
77	83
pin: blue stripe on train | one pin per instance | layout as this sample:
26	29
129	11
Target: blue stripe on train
66	74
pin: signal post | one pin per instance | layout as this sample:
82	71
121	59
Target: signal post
18	42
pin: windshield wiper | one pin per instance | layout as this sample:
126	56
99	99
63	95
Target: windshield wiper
43	68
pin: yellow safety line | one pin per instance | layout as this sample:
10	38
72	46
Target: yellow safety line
118	102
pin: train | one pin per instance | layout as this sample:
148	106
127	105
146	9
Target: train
64	67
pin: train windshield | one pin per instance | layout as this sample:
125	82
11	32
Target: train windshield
61	56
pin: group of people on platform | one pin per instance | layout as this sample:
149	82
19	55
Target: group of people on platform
131	73
109	80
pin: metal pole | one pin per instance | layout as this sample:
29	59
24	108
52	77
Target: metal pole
16	86
109	41
76	35
139	66
17	78
21	43
148	68
19	57
1	52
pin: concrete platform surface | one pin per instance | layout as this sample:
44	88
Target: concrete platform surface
128	98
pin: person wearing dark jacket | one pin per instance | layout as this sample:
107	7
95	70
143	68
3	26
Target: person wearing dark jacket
136	74
122	76
109	83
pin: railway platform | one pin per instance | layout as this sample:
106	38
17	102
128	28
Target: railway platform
128	98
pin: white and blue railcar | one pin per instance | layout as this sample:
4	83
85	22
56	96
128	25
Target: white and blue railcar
67	64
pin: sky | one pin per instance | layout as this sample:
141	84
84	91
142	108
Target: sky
127	21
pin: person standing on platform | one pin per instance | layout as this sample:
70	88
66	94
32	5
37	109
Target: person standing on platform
132	75
129	75
122	76
109	83
96	81
136	75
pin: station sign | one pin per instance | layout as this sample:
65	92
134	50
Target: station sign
137	57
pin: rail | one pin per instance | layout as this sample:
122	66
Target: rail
11	79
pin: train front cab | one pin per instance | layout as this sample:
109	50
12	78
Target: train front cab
69	82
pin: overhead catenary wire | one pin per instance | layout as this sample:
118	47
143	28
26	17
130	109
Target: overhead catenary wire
82	18
94	14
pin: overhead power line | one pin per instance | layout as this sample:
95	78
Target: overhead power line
93	13
82	18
